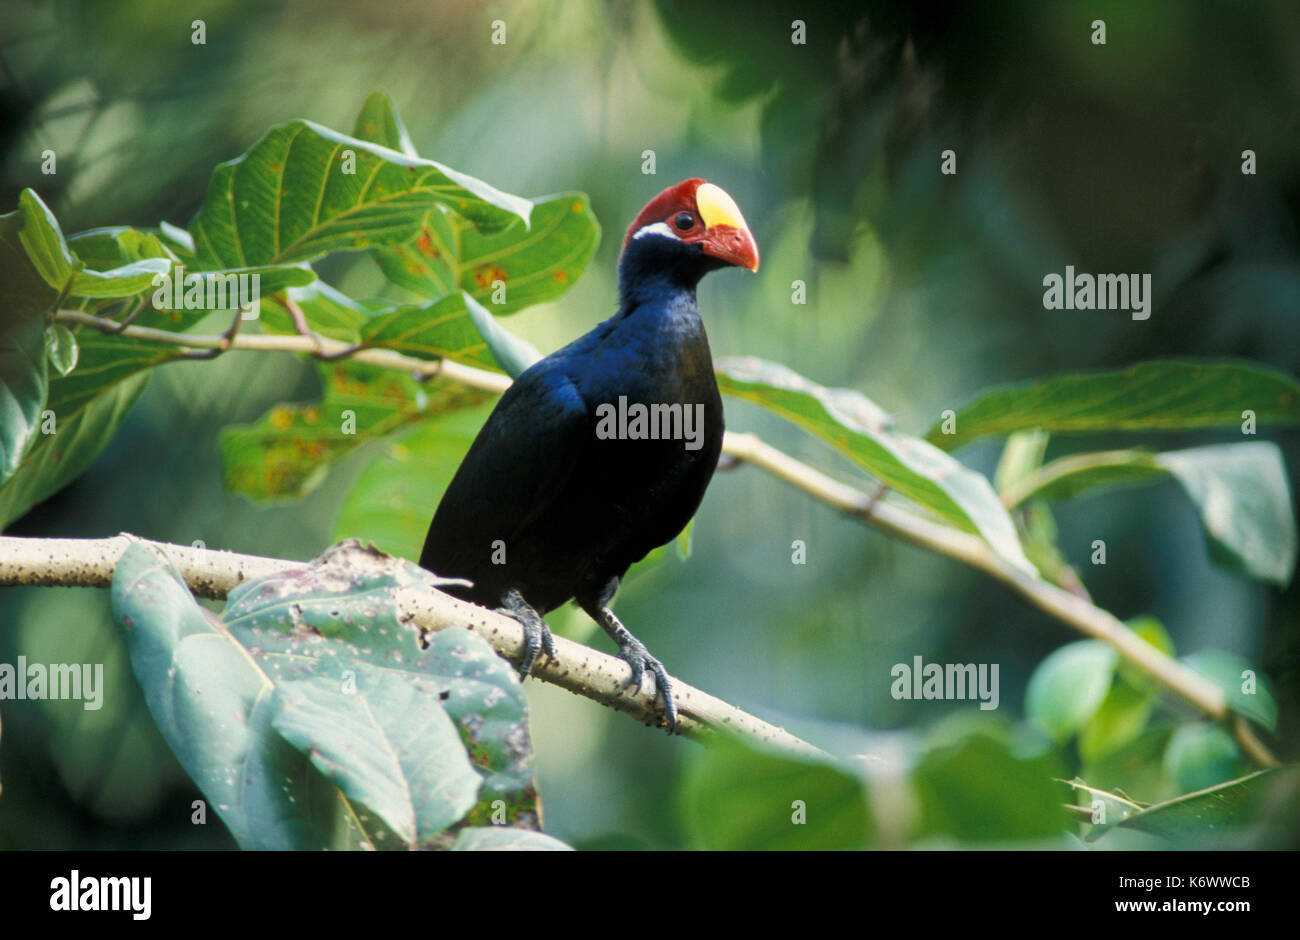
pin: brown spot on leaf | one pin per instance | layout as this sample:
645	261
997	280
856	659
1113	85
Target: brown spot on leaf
485	275
425	244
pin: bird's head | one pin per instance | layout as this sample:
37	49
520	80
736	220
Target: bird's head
686	231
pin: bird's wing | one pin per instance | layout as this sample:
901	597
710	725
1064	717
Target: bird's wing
516	467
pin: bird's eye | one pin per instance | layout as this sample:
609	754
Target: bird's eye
684	221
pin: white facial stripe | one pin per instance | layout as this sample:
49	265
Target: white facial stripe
658	228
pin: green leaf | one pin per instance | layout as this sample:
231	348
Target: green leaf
213	707
1242	494
67	272
858	428
443	329
43	240
506	839
1114	808
388	745
126	281
287	453
178	241
23	386
512	354
326	310
290	199
1247	689
1069	686
1211	810
340	612
1201	755
378	122
24	371
536	263
1119	722
1167	395
737	797
61	348
1239	490
1022	455
975	785
310	716
82	431
133	260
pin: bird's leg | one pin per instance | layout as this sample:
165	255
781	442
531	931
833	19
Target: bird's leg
537	635
633	652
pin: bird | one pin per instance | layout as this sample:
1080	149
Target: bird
556	498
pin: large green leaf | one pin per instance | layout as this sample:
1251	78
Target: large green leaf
81	432
1214	809
287	453
388	745
1167	395
857	428
443	329
1239	490
290	198
310	716
739	797
1069	686
132	260
42	238
340	613
213	706
68	273
1242	494
28	301
536	262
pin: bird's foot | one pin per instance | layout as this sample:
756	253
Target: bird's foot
537	635
633	652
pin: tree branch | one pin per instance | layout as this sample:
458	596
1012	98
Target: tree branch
584	671
1074	611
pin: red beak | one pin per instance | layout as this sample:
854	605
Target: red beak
732	245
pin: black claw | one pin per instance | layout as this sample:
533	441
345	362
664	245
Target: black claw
638	658
537	635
